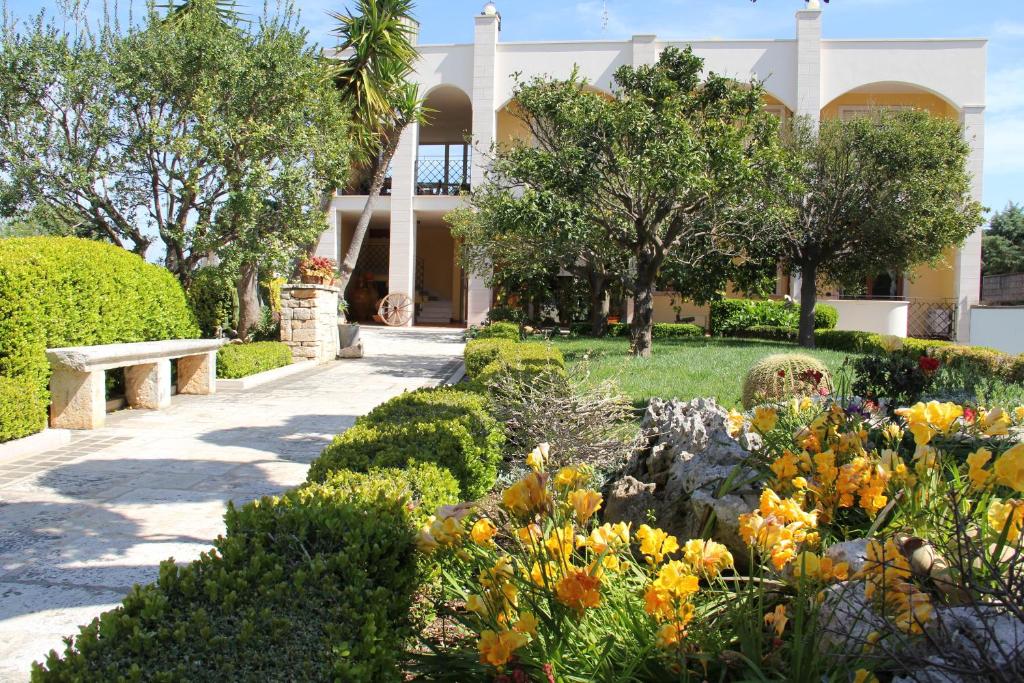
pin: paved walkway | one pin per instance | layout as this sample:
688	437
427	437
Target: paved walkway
80	525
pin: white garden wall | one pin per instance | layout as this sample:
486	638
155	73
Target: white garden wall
1000	327
883	317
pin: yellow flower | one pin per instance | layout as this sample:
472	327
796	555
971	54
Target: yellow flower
893	433
864	676
765	419
569	477
561	543
1008	516
527	623
538	457
668	635
497	648
821	568
425	541
1018	413
585	502
547	576
799	483
976	471
734	423
655	543
777	619
527	495
785	466
707	557
927	420
1009	468
608	536
579	590
476	603
501	572
483	531
943	415
994	422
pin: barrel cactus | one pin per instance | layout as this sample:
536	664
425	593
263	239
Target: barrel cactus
783	376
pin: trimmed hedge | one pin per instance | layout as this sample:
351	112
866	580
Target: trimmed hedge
768	332
314	585
65	291
659	331
480	352
499	330
524	361
446	426
241	360
22	409
731	316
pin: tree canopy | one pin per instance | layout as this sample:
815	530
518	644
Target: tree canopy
1002	249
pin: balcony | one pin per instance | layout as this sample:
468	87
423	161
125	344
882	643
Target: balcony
443	170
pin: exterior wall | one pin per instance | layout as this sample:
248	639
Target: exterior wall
883	317
998	327
435	249
665	312
804	75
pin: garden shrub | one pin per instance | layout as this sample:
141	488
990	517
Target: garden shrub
524	361
730	317
505	314
676	331
784	375
242	360
22	409
65	291
769	332
446	426
897	377
314	585
499	330
850	341
214	300
478	353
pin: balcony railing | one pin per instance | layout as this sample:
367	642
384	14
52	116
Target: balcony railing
447	175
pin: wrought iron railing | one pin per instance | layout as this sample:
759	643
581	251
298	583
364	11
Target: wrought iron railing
926	318
441	176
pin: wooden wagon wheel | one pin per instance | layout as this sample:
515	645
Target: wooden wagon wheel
396	309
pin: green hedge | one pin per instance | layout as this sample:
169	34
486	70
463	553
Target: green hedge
499	330
446	426
524	361
768	332
479	352
732	316
315	585
659	331
65	291
242	360
22	409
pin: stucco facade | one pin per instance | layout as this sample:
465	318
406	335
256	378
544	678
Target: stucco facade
470	86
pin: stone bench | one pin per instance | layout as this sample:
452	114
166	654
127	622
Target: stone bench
78	382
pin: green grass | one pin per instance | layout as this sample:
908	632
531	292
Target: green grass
685	368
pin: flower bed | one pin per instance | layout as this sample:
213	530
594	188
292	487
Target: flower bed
235	361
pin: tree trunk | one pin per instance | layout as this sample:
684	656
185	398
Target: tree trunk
642	326
599	304
348	264
808	297
248	298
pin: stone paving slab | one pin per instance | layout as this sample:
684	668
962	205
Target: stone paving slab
81	524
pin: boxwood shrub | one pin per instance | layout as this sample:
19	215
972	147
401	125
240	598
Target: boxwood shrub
731	316
659	331
524	361
446	426
65	291
22	409
768	332
242	360
479	352
314	585
499	330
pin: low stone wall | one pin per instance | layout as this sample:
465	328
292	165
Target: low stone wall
309	321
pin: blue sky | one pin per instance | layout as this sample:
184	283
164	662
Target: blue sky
1001	21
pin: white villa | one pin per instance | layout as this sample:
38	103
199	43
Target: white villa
409	248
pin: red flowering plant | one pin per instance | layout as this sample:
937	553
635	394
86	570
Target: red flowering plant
317	266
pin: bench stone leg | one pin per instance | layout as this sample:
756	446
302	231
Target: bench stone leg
148	385
78	399
198	374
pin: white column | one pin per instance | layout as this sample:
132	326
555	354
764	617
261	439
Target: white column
402	259
330	239
808	83
485	55
967	269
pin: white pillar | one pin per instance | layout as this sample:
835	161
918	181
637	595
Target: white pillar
329	245
485	55
402	254
967	268
808	84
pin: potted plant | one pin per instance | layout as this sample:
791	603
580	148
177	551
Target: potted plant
317	270
349	343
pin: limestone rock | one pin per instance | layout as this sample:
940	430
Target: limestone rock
680	471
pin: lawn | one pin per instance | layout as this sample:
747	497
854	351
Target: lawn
683	369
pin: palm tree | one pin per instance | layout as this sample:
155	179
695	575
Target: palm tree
377	57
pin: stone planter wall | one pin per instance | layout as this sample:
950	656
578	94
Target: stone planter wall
309	321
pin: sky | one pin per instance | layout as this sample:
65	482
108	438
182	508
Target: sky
1000	21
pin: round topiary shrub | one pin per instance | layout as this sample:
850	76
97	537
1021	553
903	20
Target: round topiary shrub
784	375
499	330
825	317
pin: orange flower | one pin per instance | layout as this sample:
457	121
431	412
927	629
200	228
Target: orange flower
655	543
527	495
497	648
579	590
483	531
707	557
586	503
